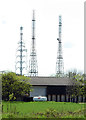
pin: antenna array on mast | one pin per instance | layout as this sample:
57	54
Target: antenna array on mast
59	62
33	68
21	55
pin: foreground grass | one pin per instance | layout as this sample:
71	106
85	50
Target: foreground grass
42	110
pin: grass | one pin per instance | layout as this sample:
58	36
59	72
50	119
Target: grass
42	109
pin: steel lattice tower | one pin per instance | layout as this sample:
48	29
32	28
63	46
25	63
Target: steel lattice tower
33	68
59	62
21	55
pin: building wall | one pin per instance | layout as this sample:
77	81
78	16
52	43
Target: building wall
66	98
55	93
38	91
56	90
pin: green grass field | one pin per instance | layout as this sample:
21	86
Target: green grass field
42	110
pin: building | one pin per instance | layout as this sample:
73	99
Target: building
55	89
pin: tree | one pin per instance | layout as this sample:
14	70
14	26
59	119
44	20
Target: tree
78	86
14	86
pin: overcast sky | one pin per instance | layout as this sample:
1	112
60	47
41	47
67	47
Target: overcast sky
16	13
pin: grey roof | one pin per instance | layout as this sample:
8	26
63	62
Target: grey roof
50	81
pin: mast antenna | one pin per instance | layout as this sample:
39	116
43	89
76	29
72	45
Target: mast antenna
59	61
21	55
33	68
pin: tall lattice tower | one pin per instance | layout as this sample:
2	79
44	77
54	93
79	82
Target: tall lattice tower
21	56
33	68
59	62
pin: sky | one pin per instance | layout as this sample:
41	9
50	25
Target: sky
17	13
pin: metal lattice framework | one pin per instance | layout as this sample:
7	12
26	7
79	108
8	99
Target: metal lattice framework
33	68
21	55
59	62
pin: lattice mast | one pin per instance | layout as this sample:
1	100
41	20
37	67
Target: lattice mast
59	62
21	56
33	68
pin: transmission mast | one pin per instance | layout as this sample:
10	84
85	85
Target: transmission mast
21	55
59	62
33	68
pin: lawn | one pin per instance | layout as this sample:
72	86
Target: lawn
42	110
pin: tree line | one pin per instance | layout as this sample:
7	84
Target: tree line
15	86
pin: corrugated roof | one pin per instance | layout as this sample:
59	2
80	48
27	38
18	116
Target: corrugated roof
50	81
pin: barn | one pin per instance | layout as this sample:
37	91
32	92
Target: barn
55	89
